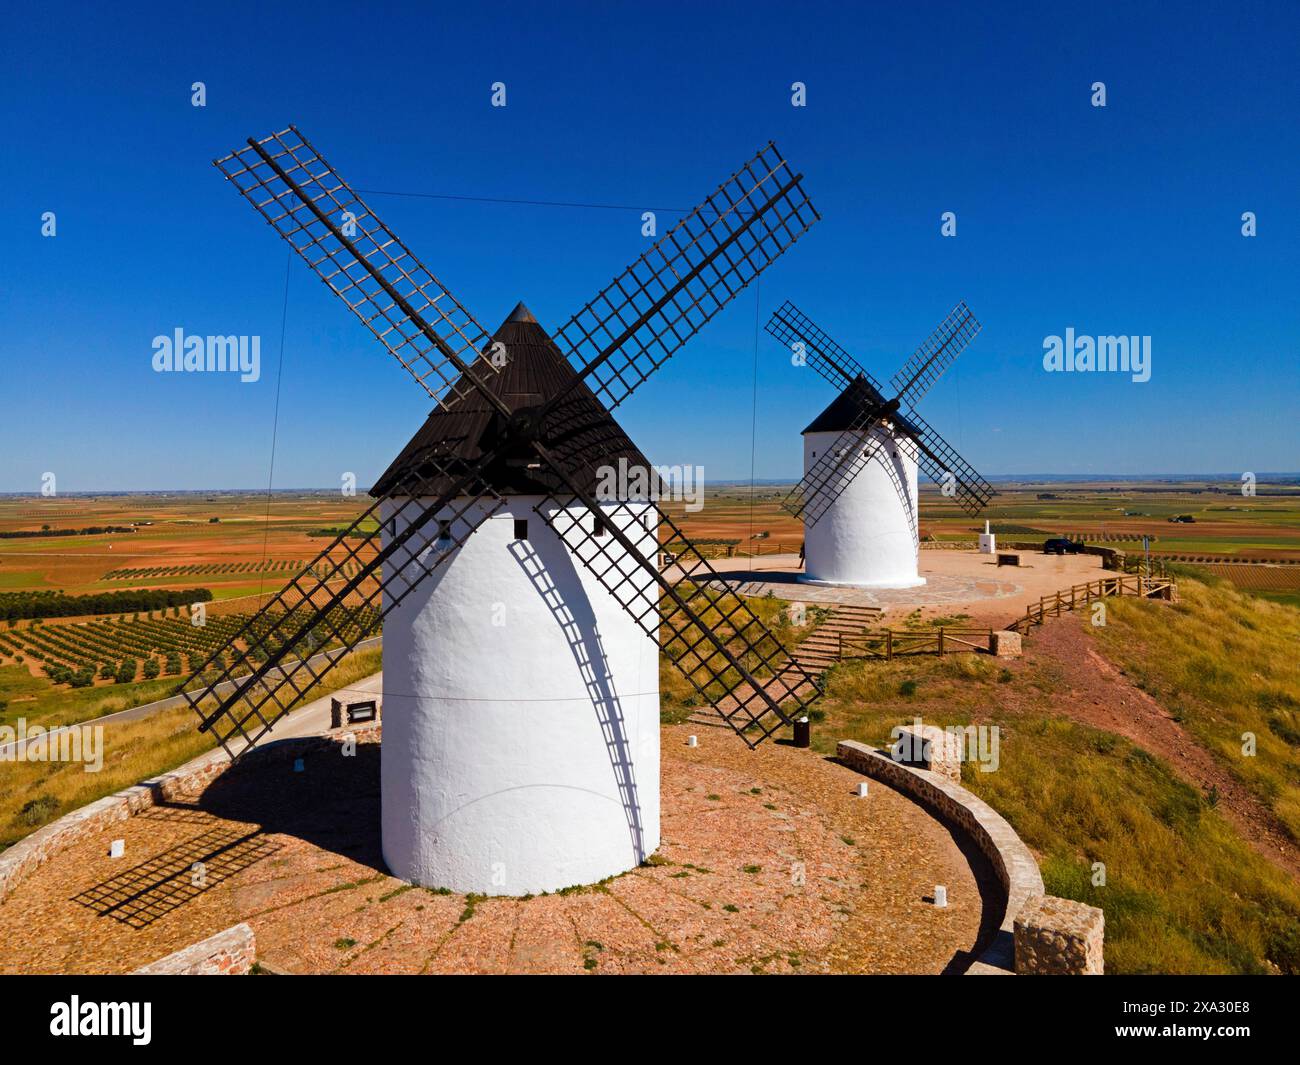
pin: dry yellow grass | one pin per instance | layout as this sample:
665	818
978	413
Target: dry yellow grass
1224	663
133	751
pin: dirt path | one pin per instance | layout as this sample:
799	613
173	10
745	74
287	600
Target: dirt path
1097	693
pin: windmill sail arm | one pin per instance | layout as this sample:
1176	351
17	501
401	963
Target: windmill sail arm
939	350
726	652
834	470
637	322
362	261
336	602
940	462
791	326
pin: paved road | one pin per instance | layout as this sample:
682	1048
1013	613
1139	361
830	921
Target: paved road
171	701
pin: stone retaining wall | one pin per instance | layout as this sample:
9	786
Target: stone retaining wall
28	854
228	953
1011	860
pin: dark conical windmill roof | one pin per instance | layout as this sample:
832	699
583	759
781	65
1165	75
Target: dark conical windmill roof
842	412
581	431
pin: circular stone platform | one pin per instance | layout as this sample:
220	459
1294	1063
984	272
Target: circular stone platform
769	863
954	579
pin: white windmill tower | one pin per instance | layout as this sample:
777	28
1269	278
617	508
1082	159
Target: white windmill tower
521	732
858	495
521	735
868	536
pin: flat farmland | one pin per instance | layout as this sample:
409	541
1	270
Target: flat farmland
70	668
251	547
1265	526
244	548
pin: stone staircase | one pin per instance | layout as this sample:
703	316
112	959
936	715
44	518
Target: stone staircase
821	650
817	653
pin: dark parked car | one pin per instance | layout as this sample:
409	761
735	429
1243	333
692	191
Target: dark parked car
1061	546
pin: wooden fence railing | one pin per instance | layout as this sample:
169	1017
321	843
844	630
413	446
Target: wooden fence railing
1081	594
670	552
770	547
894	643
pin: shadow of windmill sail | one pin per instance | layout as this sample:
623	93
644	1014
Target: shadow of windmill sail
577	620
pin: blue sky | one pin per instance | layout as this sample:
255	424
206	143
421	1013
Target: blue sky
1123	219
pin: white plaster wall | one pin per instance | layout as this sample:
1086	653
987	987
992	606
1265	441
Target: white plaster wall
865	537
521	718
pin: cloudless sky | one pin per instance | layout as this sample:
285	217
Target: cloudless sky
1117	220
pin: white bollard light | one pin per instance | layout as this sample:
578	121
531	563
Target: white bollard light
940	895
862	789
117	848
692	741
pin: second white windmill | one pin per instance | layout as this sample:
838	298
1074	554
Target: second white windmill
858	495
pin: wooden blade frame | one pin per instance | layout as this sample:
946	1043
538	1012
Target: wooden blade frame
634	325
735	662
362	261
939	350
791	326
834	469
939	461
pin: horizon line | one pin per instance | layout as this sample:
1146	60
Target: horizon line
1014	478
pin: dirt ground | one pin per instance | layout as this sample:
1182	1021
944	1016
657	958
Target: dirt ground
769	863
957	583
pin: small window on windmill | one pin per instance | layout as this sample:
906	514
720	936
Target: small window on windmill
392	527
521	528
444	535
598	526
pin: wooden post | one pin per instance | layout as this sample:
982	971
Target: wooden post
889	645
940	641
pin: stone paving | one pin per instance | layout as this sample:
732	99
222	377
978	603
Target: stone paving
769	863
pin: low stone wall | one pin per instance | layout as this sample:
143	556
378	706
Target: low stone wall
28	854
1056	937
1010	858
228	953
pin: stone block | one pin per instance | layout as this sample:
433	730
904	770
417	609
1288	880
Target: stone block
1059	937
928	747
1006	644
228	953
